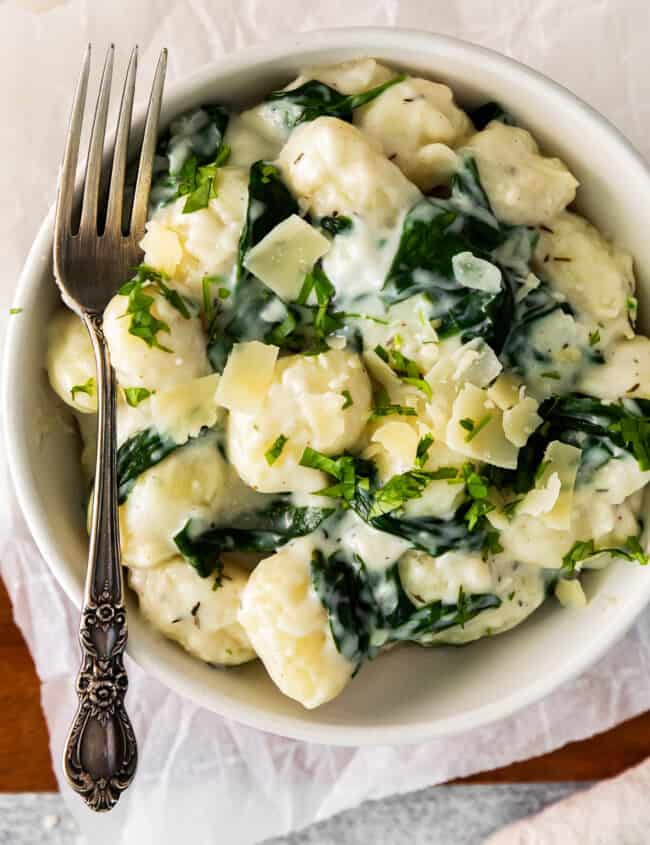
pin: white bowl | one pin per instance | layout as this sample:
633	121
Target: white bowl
409	694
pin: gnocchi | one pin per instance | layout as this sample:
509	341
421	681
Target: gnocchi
372	353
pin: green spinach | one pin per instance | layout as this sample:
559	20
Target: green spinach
265	531
314	99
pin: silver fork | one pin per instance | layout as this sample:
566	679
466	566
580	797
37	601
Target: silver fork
100	756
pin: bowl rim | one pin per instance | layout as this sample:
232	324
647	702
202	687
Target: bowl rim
368	41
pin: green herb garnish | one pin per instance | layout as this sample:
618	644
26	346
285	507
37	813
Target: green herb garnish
88	388
348	399
135	395
473	428
422	451
274	452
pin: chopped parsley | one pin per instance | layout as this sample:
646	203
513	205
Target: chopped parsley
407	370
199	182
15	310
88	388
582	549
342	469
554	374
143	323
632	303
473	428
594	337
274	452
635	433
383	407
135	395
208	302
422	451
348	399
399	490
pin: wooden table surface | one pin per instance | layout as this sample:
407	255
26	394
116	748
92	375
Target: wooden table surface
25	764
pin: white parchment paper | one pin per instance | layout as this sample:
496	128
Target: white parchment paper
201	778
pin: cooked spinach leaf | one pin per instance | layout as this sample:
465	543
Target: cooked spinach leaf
368	609
187	157
314	99
486	113
518	351
603	431
136	455
265	530
336	224
436	230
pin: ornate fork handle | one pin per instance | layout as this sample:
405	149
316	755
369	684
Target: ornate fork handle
100	756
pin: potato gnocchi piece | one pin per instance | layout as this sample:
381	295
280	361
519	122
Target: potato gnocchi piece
428	579
521	589
204	243
139	365
193	482
352	77
595	276
305	405
70	362
330	166
185	608
625	372
524	187
289	628
247	145
416	122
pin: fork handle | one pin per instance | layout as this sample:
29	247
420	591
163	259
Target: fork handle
100	755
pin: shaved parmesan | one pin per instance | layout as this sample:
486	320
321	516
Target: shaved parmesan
477	273
247	376
283	258
400	440
521	421
542	498
486	441
553	506
570	593
505	391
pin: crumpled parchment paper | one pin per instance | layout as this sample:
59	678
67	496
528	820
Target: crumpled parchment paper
201	778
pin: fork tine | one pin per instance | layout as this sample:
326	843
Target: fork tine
65	194
143	184
118	170
96	149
